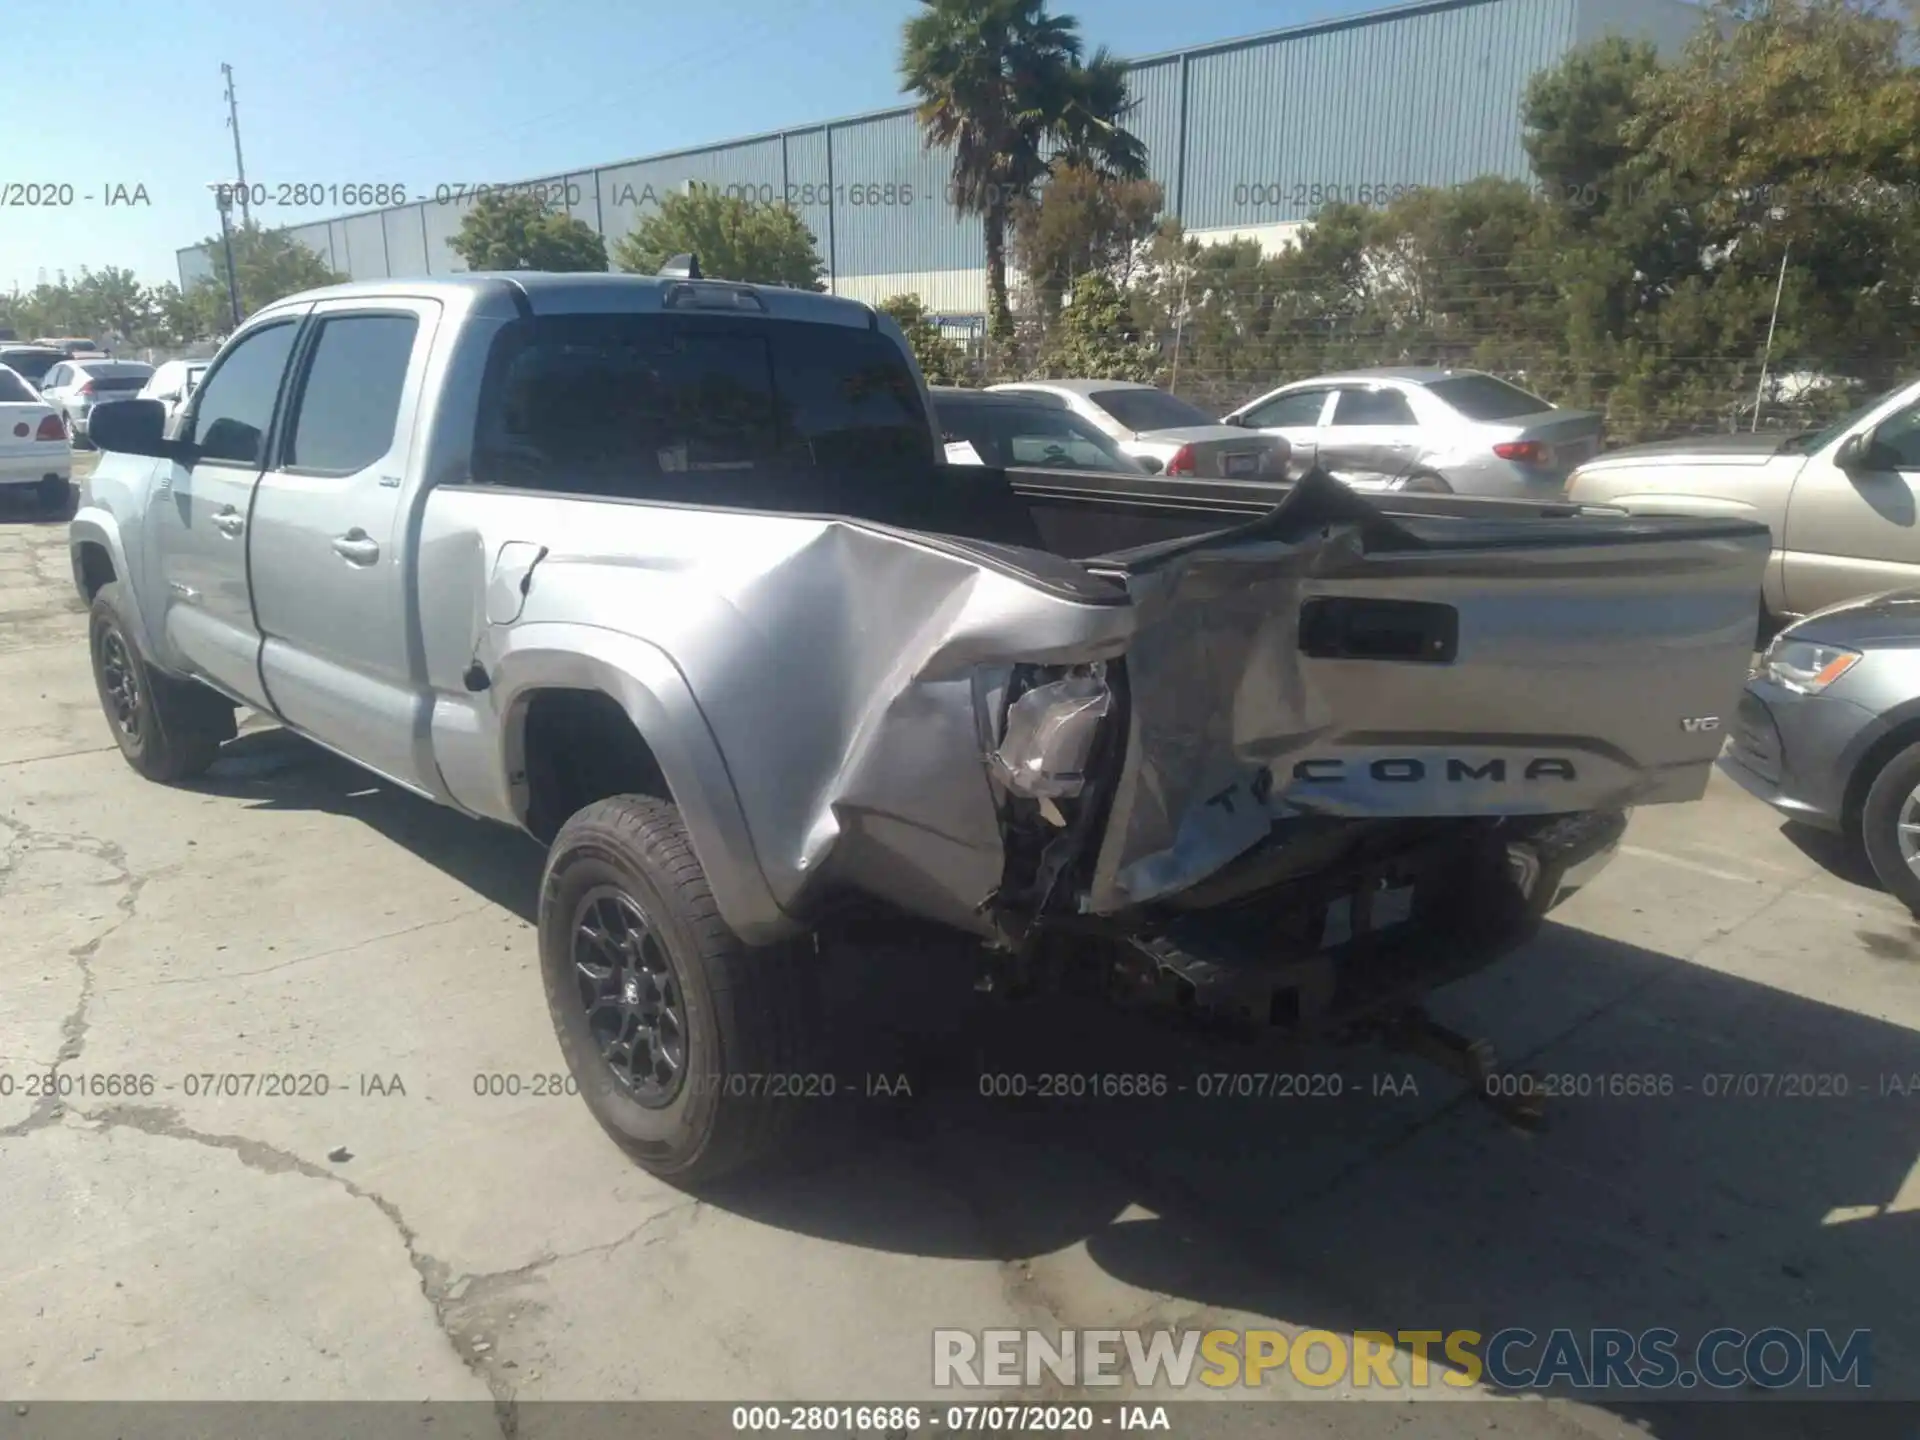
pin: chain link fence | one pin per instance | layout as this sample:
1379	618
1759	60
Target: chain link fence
1224	342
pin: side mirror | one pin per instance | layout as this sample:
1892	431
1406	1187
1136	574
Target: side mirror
1861	453
136	427
1239	420
1152	464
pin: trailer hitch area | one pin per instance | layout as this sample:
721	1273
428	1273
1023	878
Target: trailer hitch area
1516	1096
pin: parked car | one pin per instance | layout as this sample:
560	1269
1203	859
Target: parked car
35	453
1167	434
1839	501
981	428
74	387
173	383
30	362
1427	431
669	574
1828	731
73	347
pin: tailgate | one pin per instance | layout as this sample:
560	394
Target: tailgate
1329	659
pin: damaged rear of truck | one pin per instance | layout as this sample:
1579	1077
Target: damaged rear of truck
674	580
1261	753
1290	771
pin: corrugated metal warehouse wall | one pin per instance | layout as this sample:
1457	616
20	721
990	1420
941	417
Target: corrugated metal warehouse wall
1248	137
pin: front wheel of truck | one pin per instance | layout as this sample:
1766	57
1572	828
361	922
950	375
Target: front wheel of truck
687	1045
169	730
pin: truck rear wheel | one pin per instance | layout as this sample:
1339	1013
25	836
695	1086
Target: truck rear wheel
168	729
687	1045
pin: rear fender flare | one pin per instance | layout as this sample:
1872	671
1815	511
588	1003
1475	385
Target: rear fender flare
650	688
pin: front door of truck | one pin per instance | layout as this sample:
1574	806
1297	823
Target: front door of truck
329	533
1852	532
197	515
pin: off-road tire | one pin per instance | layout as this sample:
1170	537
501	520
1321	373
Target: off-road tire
178	726
1879	826
751	1015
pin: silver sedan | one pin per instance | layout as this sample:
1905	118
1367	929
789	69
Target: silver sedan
1165	433
1427	430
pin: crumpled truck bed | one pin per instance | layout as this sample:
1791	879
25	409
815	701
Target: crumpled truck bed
855	677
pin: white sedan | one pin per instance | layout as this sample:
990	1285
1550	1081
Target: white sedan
35	454
1164	432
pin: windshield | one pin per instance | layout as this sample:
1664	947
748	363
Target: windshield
1150	409
1808	441
14	390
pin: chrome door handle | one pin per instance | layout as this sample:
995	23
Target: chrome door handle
229	522
356	547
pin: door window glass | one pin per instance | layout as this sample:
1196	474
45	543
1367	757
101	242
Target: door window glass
350	399
236	404
1298	411
1372	407
1900	434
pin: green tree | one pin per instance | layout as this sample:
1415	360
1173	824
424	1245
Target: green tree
269	265
941	361
1001	85
1097	336
735	239
1575	120
509	230
1082	220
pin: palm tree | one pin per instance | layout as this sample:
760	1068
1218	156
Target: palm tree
1001	84
1089	132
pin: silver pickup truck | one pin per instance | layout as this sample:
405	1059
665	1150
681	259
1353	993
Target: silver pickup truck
669	573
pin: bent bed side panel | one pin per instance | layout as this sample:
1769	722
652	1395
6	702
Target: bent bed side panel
835	665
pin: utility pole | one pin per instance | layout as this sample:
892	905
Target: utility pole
223	198
233	124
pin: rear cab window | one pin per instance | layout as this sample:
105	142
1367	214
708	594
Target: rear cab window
1482	397
697	408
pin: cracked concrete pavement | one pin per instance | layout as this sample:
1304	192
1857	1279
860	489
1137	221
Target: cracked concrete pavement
377	1227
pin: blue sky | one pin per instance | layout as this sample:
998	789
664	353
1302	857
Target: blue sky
420	94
